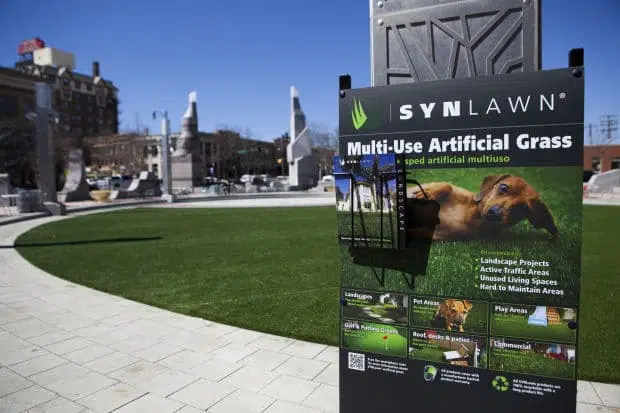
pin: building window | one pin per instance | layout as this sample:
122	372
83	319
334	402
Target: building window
77	84
615	163
155	168
596	164
9	106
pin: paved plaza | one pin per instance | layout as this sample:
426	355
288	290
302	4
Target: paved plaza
65	348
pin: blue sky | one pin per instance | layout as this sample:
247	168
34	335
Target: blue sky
242	56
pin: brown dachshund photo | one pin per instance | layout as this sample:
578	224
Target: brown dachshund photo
453	313
503	201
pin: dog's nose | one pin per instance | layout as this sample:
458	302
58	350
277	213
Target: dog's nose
495	211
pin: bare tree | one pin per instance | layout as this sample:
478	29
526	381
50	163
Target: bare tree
126	152
322	137
18	151
19	156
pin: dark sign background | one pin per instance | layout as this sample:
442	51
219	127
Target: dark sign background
377	391
404	387
381	107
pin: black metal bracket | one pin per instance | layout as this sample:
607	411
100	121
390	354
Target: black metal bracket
410	258
344	83
575	57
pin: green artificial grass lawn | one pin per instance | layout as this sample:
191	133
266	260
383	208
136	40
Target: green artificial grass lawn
275	270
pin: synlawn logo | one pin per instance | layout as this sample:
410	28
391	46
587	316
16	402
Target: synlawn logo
358	115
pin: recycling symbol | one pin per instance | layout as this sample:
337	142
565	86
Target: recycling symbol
500	383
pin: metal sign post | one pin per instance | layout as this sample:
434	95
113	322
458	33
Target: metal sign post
45	145
424	40
165	155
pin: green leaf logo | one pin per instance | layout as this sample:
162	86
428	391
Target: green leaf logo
358	115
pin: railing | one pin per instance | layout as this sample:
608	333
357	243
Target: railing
24	201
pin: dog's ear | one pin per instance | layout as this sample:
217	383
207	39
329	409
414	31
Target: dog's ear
467	305
487	184
540	216
449	302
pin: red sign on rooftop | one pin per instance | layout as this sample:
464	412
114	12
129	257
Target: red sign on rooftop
28	46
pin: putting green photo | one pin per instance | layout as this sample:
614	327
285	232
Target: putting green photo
534	322
374	338
382	307
519	262
454	349
527	357
453	314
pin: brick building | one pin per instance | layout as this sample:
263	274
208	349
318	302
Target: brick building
87	104
228	153
601	158
16	93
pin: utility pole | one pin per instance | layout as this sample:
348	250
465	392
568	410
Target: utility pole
609	124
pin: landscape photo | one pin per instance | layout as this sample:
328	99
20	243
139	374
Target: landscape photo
391	308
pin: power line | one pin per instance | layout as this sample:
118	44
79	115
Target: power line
609	124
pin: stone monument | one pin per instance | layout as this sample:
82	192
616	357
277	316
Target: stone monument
303	171
146	185
186	160
76	187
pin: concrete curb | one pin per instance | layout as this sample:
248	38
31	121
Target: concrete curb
21	218
71	210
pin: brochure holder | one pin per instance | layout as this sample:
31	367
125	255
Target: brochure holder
411	225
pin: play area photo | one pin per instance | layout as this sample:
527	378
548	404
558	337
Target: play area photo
534	322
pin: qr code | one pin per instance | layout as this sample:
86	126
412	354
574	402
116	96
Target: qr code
357	361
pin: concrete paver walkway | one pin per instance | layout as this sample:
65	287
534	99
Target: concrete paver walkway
66	348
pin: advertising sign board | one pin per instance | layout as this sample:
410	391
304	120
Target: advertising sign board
459	207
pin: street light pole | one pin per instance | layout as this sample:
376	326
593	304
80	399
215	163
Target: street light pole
45	148
165	154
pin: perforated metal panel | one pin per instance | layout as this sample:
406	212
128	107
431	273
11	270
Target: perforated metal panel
421	40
